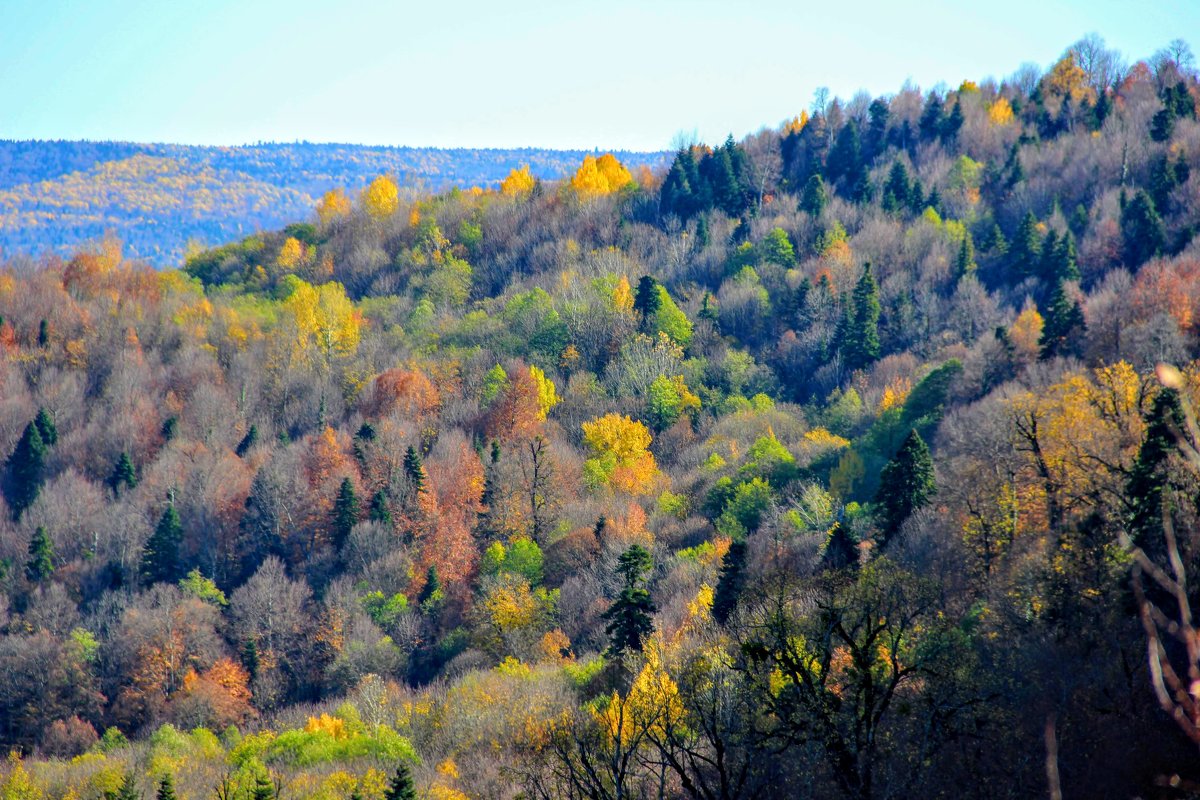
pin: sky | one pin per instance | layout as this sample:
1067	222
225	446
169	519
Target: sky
622	74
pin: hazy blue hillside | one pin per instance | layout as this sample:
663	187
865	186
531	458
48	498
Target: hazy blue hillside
157	197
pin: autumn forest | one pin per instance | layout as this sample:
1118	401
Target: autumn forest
858	458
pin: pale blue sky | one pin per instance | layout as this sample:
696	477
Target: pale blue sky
616	74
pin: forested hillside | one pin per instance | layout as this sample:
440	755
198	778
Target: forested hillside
854	459
158	198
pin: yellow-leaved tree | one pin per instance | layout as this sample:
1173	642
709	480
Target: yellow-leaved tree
291	254
620	454
1000	112
546	392
333	205
600	176
381	198
519	181
326	324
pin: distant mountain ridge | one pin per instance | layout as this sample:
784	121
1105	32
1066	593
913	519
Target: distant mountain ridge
55	195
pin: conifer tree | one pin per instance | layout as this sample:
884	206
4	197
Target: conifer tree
43	333
401	785
432	590
25	469
380	511
1149	477
1141	230
897	188
905	485
40	565
628	617
1063	327
263	788
1025	253
345	512
166	788
731	582
127	790
646	300
414	468
861	344
248	441
123	474
815	196
964	262
160	558
841	550
250	658
46	427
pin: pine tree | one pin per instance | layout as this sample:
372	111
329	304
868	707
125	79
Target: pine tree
1025	254
25	469
248	441
250	659
862	323
896	189
46	427
1141	230
414	469
841	550
629	622
1149	476
170	427
905	485
953	123
1064	325
646	300
380	511
263	788
40	565
964	263
432	590
166	788
815	196
123	474
345	512
43	333
160	558
127	790
730	583
401	785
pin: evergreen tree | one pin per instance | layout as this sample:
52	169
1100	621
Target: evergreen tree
432	590
380	511
731	582
166	788
25	469
678	196
931	117
248	441
841	550
414	468
46	427
905	485
953	123
123	474
629	621
1064	325
160	558
43	333
646	300
1141	230
263	788
169	428
815	197
401	785
845	158
1149	477
345	512
40	565
127	790
861	346
250	658
964	262
896	189
1025	254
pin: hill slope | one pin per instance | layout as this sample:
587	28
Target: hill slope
54	196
